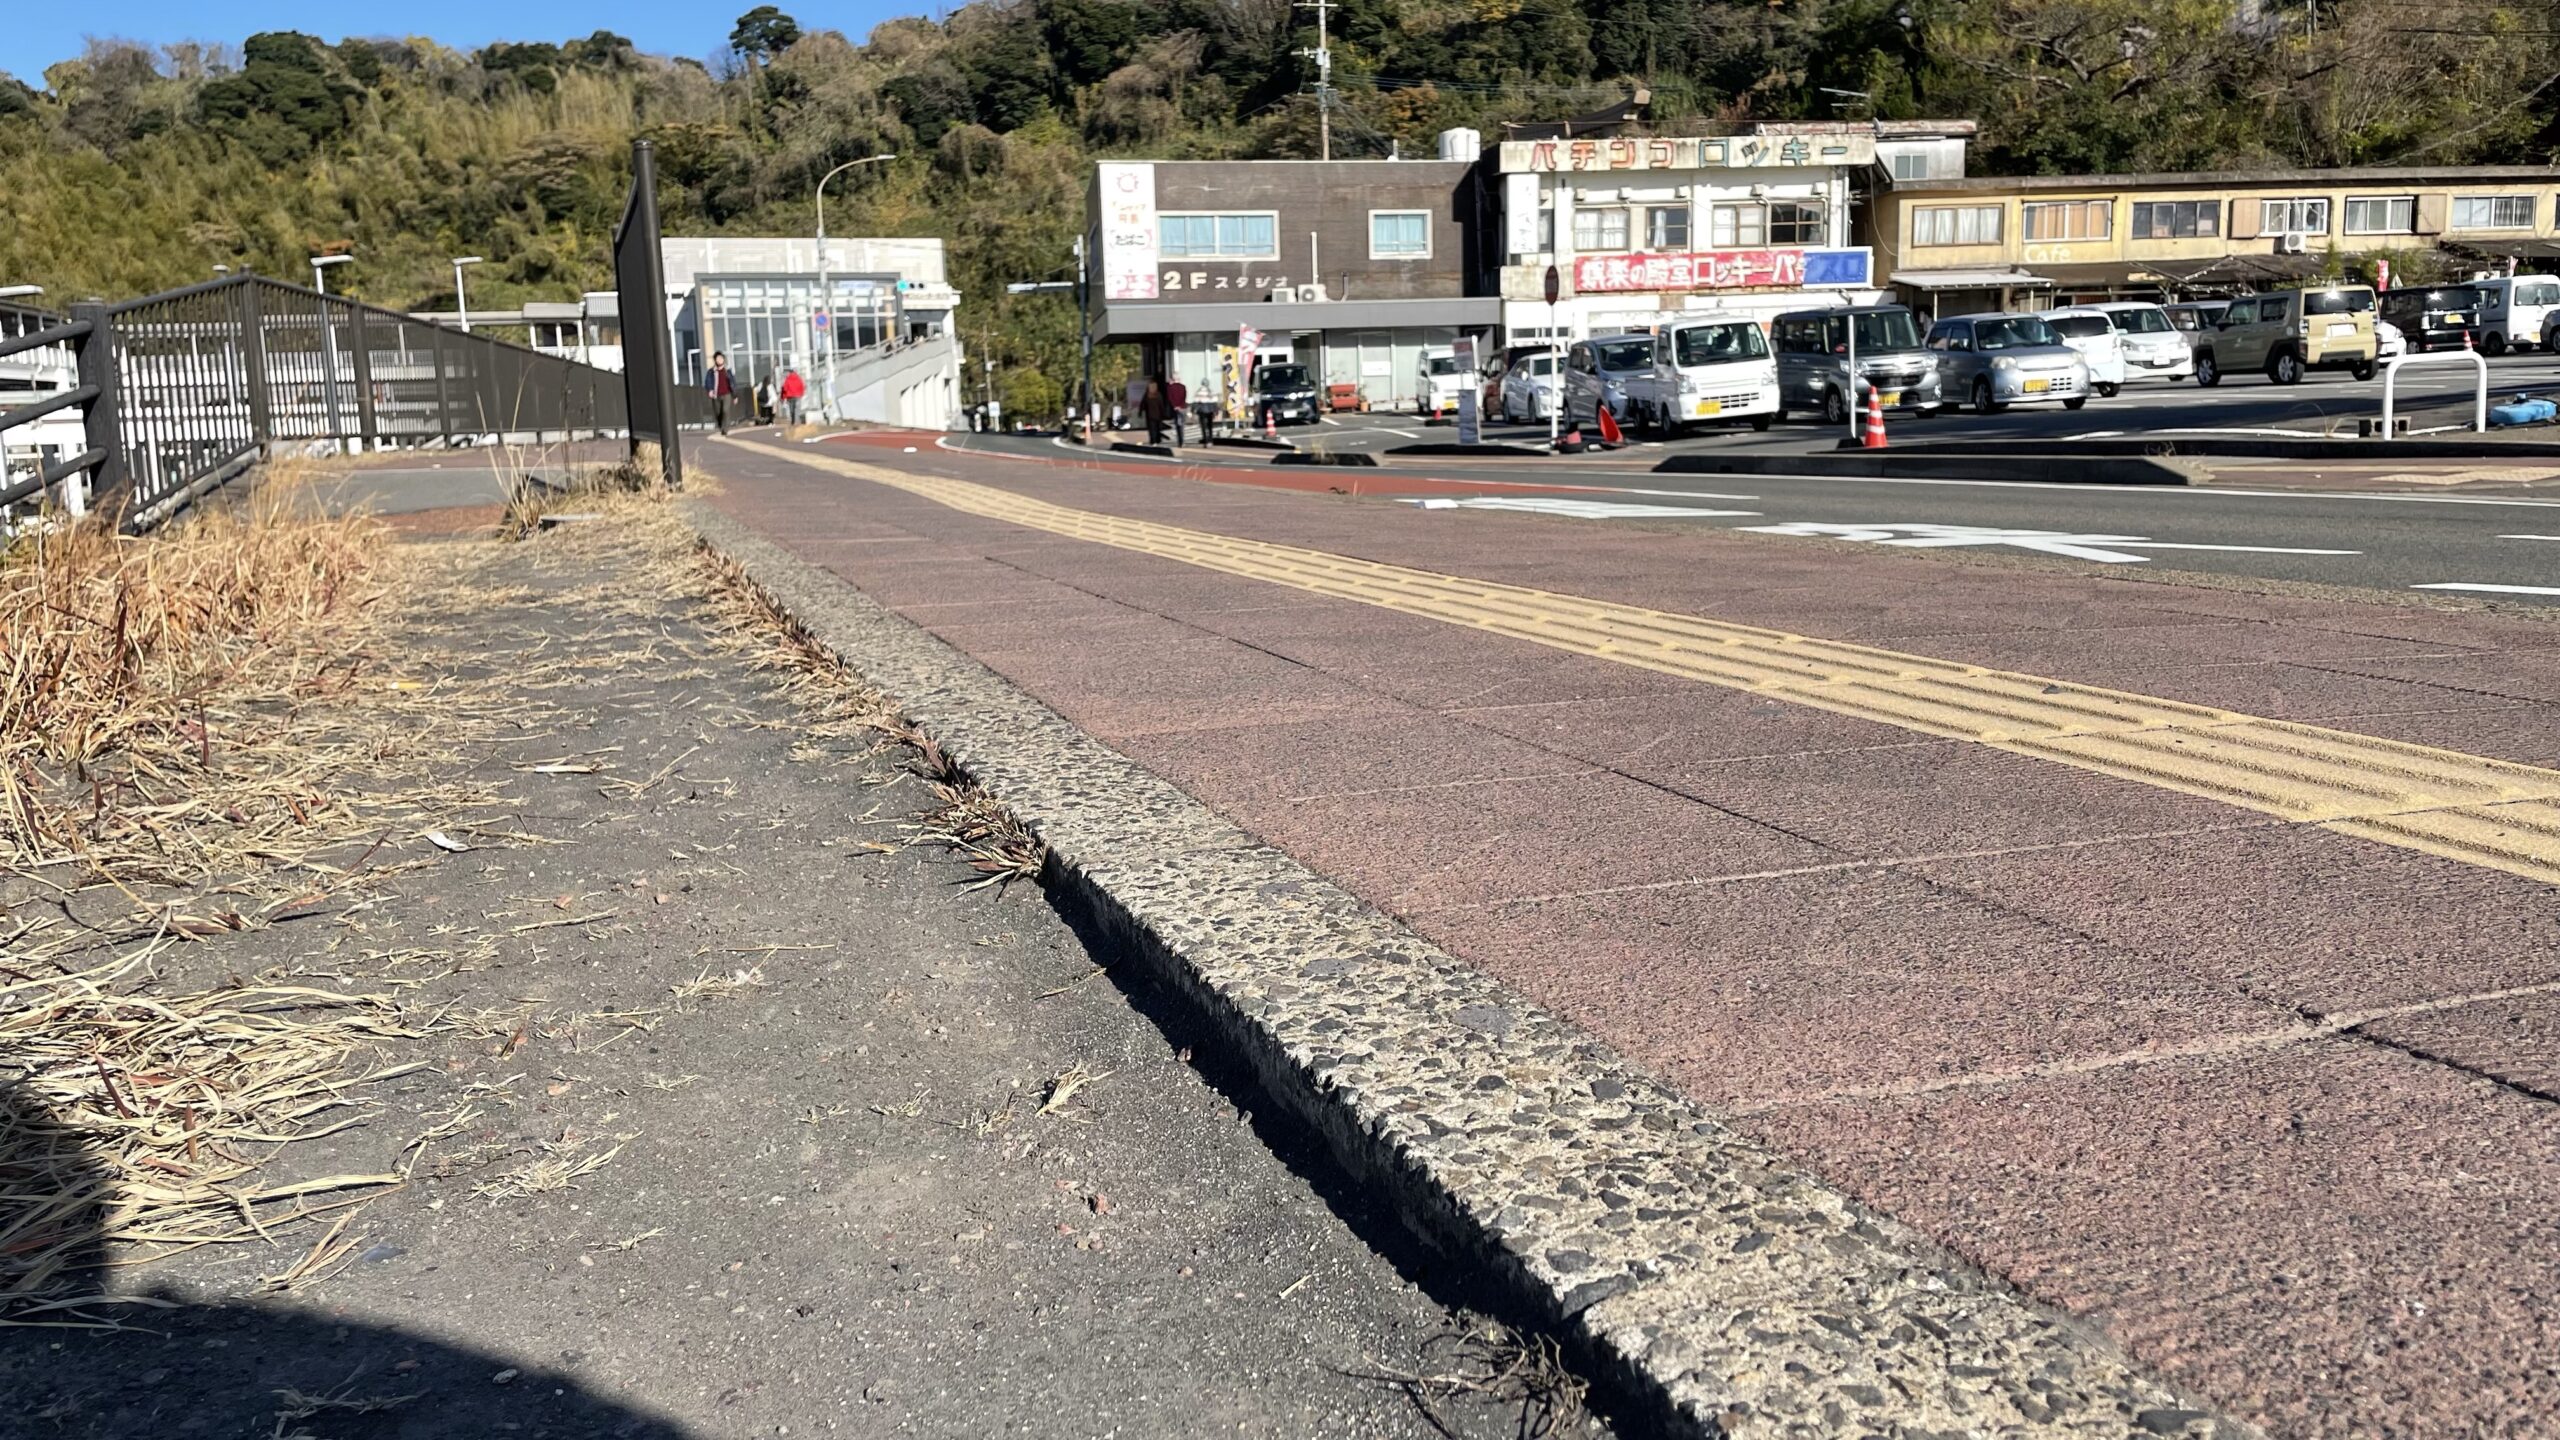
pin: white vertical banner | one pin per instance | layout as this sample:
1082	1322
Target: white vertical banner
1520	214
1128	197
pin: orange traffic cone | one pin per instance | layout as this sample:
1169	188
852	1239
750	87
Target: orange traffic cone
1874	439
1571	444
1610	435
1270	423
2466	339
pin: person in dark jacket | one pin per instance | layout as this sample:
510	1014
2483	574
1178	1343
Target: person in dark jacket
1155	408
721	386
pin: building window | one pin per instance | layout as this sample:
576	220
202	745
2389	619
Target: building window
1599	230
2277	217
1911	165
1740	225
1399	234
2382	215
1795	222
2493	212
1219	237
2177	219
1666	227
1956	225
2067	220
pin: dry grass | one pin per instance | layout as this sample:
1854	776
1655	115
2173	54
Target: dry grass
125	661
965	819
1492	1362
137	1121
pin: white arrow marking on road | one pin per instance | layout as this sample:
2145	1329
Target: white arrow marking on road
1574	509
2492	589
2107	549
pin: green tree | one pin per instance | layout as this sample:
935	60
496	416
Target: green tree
763	33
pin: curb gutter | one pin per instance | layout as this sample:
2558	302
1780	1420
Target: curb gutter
1718	1292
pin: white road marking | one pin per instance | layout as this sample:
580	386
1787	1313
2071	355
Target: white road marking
2193	492
2529	537
2108	549
2491	589
1407	434
1575	509
1600	489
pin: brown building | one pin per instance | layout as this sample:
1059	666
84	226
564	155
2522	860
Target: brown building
1352	267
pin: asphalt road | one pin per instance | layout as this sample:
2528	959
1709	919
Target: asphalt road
2501	546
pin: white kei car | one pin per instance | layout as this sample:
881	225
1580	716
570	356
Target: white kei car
1529	388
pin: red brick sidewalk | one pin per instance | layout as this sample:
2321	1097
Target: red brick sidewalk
2275	1106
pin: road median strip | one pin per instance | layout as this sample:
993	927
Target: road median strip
1720	1291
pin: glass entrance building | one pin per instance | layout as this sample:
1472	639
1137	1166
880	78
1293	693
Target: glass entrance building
769	323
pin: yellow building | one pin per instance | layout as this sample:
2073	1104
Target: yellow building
1952	246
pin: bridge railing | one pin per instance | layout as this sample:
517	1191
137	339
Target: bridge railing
177	393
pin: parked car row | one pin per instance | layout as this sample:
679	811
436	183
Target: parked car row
1695	369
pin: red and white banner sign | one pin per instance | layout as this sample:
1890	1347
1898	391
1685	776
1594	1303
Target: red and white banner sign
1702	270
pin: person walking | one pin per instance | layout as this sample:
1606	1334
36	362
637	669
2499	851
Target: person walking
1136	396
793	387
720	385
764	401
1177	397
1154	409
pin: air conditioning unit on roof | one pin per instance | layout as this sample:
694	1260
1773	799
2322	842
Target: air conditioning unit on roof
1284	295
2292	242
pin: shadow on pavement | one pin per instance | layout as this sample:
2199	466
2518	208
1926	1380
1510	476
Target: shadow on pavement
269	1370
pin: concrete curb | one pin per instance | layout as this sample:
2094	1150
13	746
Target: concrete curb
2048	469
1716	1291
1133	447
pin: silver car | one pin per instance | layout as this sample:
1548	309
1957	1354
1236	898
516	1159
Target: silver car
1596	372
1529	388
1996	361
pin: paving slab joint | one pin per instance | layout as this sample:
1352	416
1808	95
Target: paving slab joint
1713	1289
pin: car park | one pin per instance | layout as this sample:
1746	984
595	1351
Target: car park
1285	391
2288	333
1596	372
2154	345
2433	317
1996	361
1706	368
2093	333
1814	349
1528	388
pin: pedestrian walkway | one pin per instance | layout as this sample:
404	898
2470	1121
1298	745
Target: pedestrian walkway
2240	1070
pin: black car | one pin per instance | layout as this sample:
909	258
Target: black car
1286	392
2432	317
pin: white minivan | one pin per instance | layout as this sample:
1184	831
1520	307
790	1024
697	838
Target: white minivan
2517	310
1705	367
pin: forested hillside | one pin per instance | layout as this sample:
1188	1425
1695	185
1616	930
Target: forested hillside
132	169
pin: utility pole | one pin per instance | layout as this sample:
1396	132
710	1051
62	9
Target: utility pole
1323	56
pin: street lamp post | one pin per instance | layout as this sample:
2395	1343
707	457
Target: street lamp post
329	343
461	304
826	304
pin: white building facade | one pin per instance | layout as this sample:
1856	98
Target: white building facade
874	343
1641	227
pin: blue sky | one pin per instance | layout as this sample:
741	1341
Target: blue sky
38	33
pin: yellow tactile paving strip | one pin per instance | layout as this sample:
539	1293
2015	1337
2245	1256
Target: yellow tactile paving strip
2463	807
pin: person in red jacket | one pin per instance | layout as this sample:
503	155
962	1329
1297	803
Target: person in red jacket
793	387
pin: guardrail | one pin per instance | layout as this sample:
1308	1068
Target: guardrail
2391	380
180	392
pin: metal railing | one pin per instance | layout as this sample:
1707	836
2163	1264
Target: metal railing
2391	385
180	392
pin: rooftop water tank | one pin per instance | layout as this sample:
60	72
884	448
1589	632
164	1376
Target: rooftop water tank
1461	144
